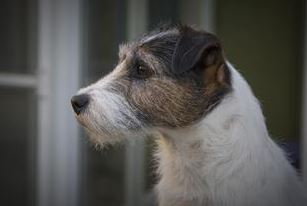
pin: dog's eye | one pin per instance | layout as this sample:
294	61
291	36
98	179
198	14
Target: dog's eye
142	71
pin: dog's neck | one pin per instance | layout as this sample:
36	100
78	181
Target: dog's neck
202	156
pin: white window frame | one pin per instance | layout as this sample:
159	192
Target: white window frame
59	60
18	80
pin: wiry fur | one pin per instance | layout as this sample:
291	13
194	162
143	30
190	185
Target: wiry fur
214	147
110	118
227	159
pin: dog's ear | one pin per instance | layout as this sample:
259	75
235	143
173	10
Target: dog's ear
195	48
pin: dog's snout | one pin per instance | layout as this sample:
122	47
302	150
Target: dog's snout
79	102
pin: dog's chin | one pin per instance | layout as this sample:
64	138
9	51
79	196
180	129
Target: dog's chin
105	133
103	139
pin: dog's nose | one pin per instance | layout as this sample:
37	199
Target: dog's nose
79	102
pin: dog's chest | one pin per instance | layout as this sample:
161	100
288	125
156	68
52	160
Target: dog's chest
181	171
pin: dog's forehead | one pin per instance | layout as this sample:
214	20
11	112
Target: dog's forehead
158	35
151	41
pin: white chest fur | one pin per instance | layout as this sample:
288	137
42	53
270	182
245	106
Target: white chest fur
227	158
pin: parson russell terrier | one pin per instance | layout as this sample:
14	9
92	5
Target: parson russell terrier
213	145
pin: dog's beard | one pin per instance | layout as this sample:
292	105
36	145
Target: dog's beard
109	119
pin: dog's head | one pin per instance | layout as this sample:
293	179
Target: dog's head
169	78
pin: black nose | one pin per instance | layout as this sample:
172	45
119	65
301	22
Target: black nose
79	102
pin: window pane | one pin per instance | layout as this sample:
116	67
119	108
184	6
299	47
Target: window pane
161	12
106	20
106	26
15	16
16	146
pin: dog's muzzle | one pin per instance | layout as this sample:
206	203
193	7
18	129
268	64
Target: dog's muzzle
80	102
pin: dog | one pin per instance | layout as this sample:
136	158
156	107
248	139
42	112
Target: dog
213	147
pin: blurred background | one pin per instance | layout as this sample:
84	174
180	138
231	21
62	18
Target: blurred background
50	48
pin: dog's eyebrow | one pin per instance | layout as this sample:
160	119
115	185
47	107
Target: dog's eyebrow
161	47
159	35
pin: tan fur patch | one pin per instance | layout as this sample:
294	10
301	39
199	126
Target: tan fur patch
165	99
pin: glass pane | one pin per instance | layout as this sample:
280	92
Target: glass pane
161	12
16	122
106	20
106	23
15	16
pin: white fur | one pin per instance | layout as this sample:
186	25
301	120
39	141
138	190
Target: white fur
227	158
159	35
108	118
